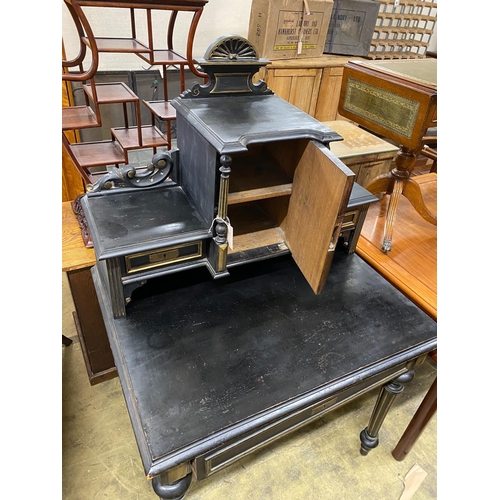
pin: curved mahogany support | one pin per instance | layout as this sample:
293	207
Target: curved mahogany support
83	27
190	41
381	184
78	60
425	411
413	193
170	31
174	491
369	435
420	419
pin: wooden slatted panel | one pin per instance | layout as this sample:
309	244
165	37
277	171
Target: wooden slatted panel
403	29
299	87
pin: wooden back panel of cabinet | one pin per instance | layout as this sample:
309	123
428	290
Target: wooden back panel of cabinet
312	84
329	94
299	87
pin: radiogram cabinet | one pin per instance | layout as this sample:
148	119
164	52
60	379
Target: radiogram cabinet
252	177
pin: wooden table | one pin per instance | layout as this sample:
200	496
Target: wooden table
76	263
398	100
213	370
411	266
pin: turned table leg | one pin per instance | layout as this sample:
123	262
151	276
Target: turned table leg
405	161
173	491
369	436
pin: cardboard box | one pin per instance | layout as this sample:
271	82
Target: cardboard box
351	27
289	29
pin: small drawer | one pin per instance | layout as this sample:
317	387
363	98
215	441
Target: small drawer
350	220
163	256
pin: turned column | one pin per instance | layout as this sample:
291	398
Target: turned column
405	161
369	436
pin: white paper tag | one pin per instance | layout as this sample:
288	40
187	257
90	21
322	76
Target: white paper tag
230	235
299	48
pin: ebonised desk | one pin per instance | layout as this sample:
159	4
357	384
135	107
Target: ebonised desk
213	370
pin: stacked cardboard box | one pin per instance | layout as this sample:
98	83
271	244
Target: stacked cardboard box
289	29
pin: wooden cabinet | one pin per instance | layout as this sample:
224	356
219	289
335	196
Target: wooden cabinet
366	154
312	84
77	261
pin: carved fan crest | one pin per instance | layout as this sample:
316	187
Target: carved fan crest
231	47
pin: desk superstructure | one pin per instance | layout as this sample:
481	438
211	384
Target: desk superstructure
252	177
249	329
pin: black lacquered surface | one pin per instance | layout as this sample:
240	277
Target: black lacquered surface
242	120
197	357
142	219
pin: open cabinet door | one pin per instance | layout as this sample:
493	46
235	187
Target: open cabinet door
320	193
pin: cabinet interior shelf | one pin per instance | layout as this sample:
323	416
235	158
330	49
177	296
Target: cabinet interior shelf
259	194
256	177
256	226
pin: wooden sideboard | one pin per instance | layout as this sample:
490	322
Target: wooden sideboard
312	84
367	155
77	261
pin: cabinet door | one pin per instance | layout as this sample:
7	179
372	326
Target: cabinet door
320	193
299	86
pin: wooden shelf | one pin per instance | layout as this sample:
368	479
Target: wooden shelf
128	137
108	93
162	109
259	194
256	178
97	154
163	56
78	117
119	45
255	234
264	238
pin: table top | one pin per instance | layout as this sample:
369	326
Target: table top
147	219
200	359
357	142
422	71
411	265
74	253
323	61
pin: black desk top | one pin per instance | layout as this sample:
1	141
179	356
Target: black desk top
145	220
200	358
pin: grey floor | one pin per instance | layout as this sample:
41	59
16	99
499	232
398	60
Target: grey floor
320	461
